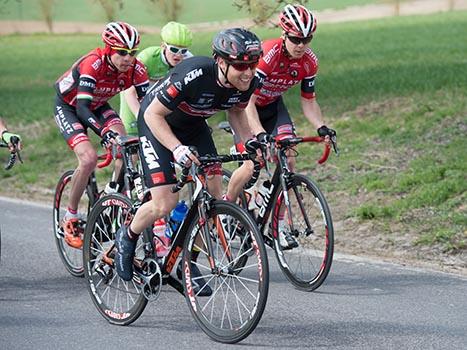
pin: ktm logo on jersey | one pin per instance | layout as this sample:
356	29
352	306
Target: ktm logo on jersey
193	75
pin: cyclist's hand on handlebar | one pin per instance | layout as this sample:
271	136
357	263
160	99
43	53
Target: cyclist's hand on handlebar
325	131
184	155
12	140
265	140
108	138
330	136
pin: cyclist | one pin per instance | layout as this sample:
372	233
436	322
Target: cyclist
176	38
172	118
287	61
82	102
6	136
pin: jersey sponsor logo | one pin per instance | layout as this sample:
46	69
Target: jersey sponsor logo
107	91
294	73
88	84
234	99
150	155
285	129
172	91
271	54
195	73
158	178
77	126
96	64
140	69
66	83
178	85
62	123
206	102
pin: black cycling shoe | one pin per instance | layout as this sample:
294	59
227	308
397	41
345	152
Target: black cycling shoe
125	253
199	284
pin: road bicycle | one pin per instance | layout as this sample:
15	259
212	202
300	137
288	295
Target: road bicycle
12	159
294	205
208	238
72	257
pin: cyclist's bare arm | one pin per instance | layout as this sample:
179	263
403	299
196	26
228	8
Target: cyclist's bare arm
3	126
312	111
131	98
253	117
238	120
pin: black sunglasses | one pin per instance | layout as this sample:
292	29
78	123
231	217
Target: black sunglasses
243	66
296	40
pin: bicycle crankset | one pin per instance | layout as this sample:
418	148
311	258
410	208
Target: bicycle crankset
151	278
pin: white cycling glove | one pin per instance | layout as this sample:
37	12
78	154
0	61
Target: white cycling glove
182	155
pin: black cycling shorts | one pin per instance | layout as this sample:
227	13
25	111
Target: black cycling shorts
74	129
158	161
275	120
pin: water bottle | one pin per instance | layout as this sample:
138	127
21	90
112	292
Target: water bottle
177	215
161	241
262	193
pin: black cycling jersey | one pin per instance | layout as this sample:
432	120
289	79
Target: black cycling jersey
192	91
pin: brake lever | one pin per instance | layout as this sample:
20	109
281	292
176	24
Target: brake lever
334	145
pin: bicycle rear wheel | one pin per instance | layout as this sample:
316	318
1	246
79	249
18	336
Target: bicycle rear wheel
238	297
118	301
71	257
308	264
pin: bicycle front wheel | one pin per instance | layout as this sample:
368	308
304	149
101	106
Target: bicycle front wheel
118	301
305	257
71	257
226	302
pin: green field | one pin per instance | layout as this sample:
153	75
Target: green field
143	12
394	89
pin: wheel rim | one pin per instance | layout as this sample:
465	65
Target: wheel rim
236	291
308	262
115	297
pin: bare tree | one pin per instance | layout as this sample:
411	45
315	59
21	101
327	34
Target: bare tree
46	7
110	8
170	8
262	10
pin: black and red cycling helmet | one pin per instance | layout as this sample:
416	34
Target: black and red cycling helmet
237	44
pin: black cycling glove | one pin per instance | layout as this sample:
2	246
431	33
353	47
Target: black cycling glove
264	138
325	131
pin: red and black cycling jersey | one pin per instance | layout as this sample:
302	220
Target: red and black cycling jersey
278	72
93	78
193	93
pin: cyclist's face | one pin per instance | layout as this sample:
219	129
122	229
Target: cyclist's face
174	54
122	63
296	47
239	75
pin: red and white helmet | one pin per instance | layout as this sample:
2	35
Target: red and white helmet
297	20
120	34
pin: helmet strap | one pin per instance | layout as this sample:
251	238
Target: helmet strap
224	74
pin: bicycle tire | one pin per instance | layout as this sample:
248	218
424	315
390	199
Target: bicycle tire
230	323
71	257
118	301
315	246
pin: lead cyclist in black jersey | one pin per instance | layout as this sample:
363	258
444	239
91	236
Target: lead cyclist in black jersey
172	118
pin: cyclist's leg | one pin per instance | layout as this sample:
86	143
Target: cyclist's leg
74	132
240	176
284	128
107	119
159	176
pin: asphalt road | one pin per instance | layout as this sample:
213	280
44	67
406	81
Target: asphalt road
364	304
